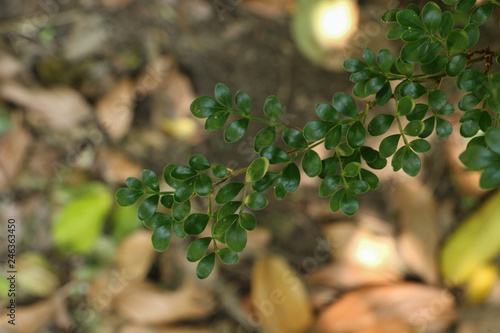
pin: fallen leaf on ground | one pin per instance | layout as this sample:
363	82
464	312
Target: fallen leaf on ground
13	148
279	297
419	236
135	255
115	166
475	319
144	303
426	309
38	277
271	9
60	108
115	109
29	319
9	66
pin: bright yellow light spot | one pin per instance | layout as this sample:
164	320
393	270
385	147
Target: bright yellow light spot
371	253
335	21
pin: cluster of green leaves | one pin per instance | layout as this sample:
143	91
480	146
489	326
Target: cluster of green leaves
434	50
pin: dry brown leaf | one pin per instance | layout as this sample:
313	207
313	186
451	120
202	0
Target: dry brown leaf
279	296
29	319
144	303
114	166
153	76
13	148
475	319
135	255
272	9
60	108
419	237
9	66
115	109
426	309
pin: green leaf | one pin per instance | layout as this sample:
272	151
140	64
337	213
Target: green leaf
220	171
349	204
161	238
457	41
397	159
228	209
435	66
395	32
79	223
205	106
405	68
370	178
257	170
443	128
354	65
446	110
390	15
415	8
332	139
490	178
264	138
256	201
380	124
456	65
359	186
223	95
265	182
405	106
465	5
344	104
469	128
408	19
243	102
329	167
247	221
311	163
158	220
411	162
344	149
167	201
477	157
197	249
431	16
481	14
375	84
418	112
360	76
294	138
181	210
414	128
272	108
279	190
199	162
470	80
148	207
369	154
171	181
127	196
150	179
274	154
412	35
408	88
369	56
227	256
216	121
327	113
223	224
205	266
473	33
335	200
291	177
228	192
196	223
437	99
183	192
134	184
420	146
492	138
236	238
329	185
378	164
182	173
413	52
316	129
352	169
235	130
389	145
179	229
202	185
468	102
447	24
356	135
384	95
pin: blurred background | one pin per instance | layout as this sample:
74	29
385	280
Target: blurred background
94	91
